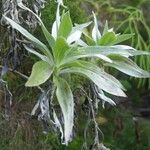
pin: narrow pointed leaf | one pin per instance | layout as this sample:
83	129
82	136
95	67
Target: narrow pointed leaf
122	50
54	30
105	98
105	28
80	27
41	72
31	50
65	99
128	67
56	23
89	40
47	35
103	80
107	39
42	47
65	25
74	36
75	55
95	32
77	32
122	38
60	49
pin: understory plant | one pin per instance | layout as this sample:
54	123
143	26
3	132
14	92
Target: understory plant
68	52
129	17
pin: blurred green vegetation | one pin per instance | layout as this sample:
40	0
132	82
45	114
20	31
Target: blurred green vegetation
123	126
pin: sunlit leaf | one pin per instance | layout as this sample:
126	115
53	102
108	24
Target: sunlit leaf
95	32
77	32
105	28
121	38
127	66
89	40
107	39
103	97
56	23
60	49
123	50
42	47
65	25
75	36
65	99
74	55
103	80
47	35
41	72
43	57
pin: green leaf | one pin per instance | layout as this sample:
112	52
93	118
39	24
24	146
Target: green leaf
80	27
65	25
121	38
103	80
123	50
127	66
60	49
41	72
95	32
48	36
102	96
74	55
42	47
89	40
56	23
43	57
105	28
76	32
65	99
107	39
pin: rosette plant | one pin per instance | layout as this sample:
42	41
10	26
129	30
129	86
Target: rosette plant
65	53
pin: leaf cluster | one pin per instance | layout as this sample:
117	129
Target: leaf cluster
69	50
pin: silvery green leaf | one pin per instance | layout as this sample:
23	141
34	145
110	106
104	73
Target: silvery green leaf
41	72
105	28
42	47
60	49
121	38
95	32
43	57
75	36
56	23
65	27
89	40
81	43
76	32
54	30
122	50
127	66
103	80
74	55
80	27
102	96
47	35
65	99
107	39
